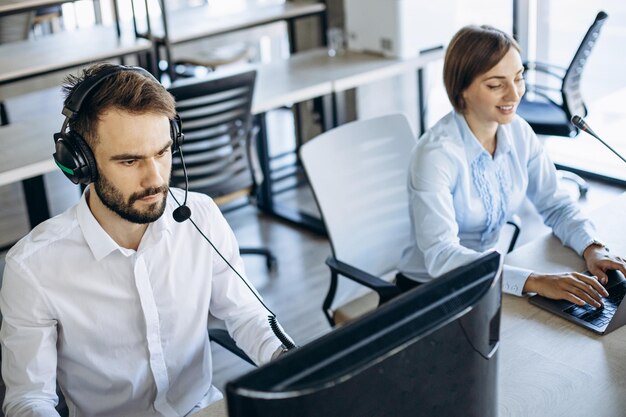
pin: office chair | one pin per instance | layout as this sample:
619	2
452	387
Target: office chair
358	173
219	141
222	338
547	109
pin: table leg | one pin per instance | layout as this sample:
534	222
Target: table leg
339	105
36	200
325	106
265	192
421	107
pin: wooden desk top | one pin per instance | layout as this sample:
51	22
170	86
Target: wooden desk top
8	7
304	76
353	69
217	409
549	366
28	149
313	73
65	50
194	23
293	80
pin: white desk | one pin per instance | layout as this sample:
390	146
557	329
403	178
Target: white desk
304	76
310	75
26	59
548	366
8	7
27	156
193	23
28	149
217	409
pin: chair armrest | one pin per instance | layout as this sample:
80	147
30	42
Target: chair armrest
222	338
385	290
253	156
516	222
541	93
554	70
541	89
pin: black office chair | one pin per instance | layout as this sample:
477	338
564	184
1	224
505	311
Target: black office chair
548	109
222	338
219	142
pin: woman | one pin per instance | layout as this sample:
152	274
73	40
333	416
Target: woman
473	169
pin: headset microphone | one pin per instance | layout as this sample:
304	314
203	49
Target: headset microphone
580	123
183	212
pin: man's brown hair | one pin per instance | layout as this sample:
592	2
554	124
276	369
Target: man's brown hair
126	90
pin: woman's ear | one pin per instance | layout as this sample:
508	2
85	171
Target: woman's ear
461	101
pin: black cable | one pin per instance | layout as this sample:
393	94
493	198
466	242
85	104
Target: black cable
284	339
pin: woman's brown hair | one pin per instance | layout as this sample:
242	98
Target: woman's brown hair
473	51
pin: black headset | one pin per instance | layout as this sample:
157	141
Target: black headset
72	153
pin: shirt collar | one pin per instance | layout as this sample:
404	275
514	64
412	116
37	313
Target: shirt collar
473	147
99	241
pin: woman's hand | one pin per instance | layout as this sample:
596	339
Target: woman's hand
599	260
578	288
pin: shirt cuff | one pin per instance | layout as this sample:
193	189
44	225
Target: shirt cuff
592	242
514	279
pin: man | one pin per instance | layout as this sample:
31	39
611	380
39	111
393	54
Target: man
110	299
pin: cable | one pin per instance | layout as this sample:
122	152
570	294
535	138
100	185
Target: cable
182	212
284	339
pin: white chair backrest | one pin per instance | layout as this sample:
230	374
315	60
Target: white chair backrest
358	173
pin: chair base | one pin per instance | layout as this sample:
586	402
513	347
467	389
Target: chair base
270	260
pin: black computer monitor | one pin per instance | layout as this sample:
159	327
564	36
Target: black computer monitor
429	352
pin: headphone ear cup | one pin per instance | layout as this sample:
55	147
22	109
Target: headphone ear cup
74	157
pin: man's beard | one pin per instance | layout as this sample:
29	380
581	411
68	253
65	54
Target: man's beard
113	199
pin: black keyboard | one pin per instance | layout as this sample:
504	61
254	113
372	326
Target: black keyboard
600	316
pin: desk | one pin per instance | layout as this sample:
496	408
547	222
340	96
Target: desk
194	23
217	409
8	7
310	75
304	76
27	156
66	50
549	366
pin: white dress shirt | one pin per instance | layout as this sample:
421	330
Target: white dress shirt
460	197
123	332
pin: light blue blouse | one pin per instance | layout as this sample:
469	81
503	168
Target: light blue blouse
460	197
